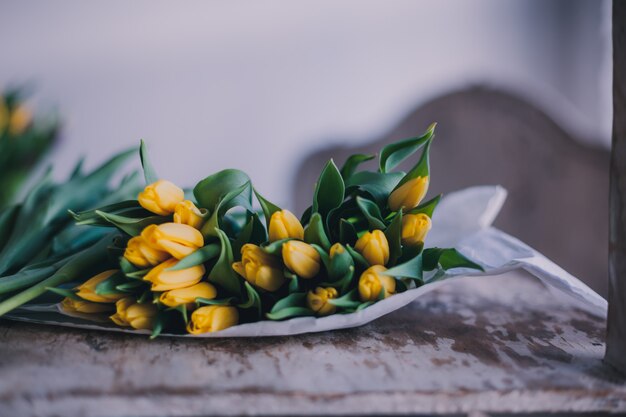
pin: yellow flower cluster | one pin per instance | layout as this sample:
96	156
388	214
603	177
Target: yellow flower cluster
159	248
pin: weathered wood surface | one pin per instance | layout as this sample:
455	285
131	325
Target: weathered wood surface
616	338
493	344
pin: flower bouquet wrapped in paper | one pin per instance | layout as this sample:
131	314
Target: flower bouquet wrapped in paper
208	261
159	260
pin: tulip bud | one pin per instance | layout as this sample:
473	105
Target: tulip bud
212	319
133	314
70	305
301	258
19	120
409	194
163	280
141	254
161	197
415	227
318	300
340	261
187	296
284	225
187	213
372	282
374	247
260	268
87	290
179	240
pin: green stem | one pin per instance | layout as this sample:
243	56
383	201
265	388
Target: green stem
26	278
96	254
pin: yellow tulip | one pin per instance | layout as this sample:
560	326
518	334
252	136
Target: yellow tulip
79	306
212	319
372	282
415	227
161	197
163	280
318	300
409	194
301	258
374	247
187	296
121	306
87	290
187	213
336	249
179	240
284	225
141	254
260	268
19	120
135	315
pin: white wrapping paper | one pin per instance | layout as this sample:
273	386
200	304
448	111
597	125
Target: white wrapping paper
462	220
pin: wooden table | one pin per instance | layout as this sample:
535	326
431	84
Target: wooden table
493	344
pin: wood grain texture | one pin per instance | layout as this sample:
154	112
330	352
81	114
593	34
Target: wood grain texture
616	338
491	344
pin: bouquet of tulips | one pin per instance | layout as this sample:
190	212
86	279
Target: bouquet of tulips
207	260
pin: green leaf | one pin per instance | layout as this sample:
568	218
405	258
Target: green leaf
132	225
394	238
323	255
253	232
275	248
393	154
372	213
253	300
240	196
344	282
349	300
427	208
347	233
421	169
148	170
411	269
267	207
131	286
314	232
329	191
290	312
7	220
158	325
217	302
64	292
447	259
352	163
222	273
200	256
366	304
123	207
211	190
377	184
358	258
109	285
292	300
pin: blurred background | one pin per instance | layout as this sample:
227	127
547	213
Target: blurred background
521	91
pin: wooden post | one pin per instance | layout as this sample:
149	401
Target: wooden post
616	331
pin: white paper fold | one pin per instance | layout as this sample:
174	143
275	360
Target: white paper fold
462	220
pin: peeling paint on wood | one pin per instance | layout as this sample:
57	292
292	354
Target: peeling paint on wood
492	344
